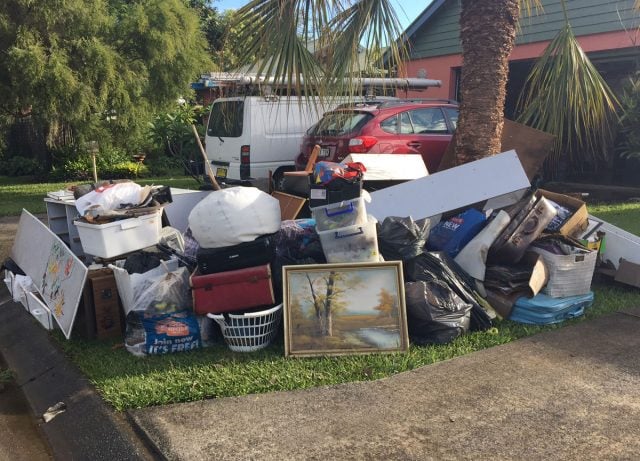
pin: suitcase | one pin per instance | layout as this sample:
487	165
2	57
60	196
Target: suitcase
527	225
543	309
249	254
232	290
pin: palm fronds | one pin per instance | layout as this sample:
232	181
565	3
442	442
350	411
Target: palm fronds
566	96
370	25
311	46
274	36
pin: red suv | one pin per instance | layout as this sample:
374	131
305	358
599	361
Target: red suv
420	127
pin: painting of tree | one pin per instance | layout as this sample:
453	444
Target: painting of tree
340	308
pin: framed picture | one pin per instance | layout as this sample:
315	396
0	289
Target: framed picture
336	309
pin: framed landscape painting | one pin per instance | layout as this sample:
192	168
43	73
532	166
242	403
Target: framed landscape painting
337	309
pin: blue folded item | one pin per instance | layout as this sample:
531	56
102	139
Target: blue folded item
451	235
544	310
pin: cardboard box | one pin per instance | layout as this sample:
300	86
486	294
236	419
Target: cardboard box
503	300
628	273
578	222
100	313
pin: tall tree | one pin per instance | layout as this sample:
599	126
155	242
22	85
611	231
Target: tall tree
488	34
95	69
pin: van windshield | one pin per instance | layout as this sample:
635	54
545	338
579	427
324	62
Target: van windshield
340	123
226	119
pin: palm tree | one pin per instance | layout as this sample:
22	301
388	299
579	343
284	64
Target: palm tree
488	34
487	28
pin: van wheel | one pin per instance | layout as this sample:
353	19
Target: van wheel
278	180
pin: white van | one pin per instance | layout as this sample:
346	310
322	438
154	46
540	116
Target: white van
249	136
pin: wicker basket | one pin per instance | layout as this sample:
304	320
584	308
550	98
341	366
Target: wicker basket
251	331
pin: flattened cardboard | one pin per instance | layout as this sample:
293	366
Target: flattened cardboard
503	303
628	273
452	189
533	146
579	219
57	273
290	205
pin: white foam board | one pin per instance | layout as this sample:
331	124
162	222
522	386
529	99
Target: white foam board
57	273
390	167
464	185
618	242
183	202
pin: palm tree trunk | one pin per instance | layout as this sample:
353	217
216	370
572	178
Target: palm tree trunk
487	33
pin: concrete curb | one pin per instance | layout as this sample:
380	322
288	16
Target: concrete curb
88	429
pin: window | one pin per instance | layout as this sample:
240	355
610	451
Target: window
226	119
341	123
406	127
453	116
390	125
430	120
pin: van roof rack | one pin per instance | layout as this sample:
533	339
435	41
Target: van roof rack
380	104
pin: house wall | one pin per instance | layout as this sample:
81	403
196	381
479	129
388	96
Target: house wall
444	67
599	25
440	34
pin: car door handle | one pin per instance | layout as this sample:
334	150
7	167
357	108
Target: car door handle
413	144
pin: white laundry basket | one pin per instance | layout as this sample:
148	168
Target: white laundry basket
251	331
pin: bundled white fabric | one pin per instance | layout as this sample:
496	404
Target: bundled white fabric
111	197
231	216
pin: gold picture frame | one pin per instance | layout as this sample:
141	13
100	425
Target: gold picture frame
339	309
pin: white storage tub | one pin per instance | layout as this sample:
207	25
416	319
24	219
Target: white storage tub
119	237
341	214
358	243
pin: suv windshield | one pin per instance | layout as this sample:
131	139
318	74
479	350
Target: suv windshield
226	119
341	123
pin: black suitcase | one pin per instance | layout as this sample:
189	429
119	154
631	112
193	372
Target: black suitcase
249	254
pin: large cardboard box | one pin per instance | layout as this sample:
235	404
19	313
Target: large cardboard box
99	315
577	223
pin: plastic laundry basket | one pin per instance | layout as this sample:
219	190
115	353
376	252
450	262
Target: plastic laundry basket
251	331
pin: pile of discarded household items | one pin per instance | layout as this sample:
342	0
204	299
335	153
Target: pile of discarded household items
422	260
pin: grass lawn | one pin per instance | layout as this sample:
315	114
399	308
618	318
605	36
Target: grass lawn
126	381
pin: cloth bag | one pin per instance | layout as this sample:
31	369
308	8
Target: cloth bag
232	216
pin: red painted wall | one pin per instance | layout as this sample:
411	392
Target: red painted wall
443	67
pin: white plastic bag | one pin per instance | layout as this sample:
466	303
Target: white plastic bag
111	197
231	216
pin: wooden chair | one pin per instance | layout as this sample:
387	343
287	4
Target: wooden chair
308	169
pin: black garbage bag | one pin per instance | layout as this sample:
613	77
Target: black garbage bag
435	313
400	239
296	243
430	266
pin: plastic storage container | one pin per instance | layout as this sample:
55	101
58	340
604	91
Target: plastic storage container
251	331
119	237
358	243
342	214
